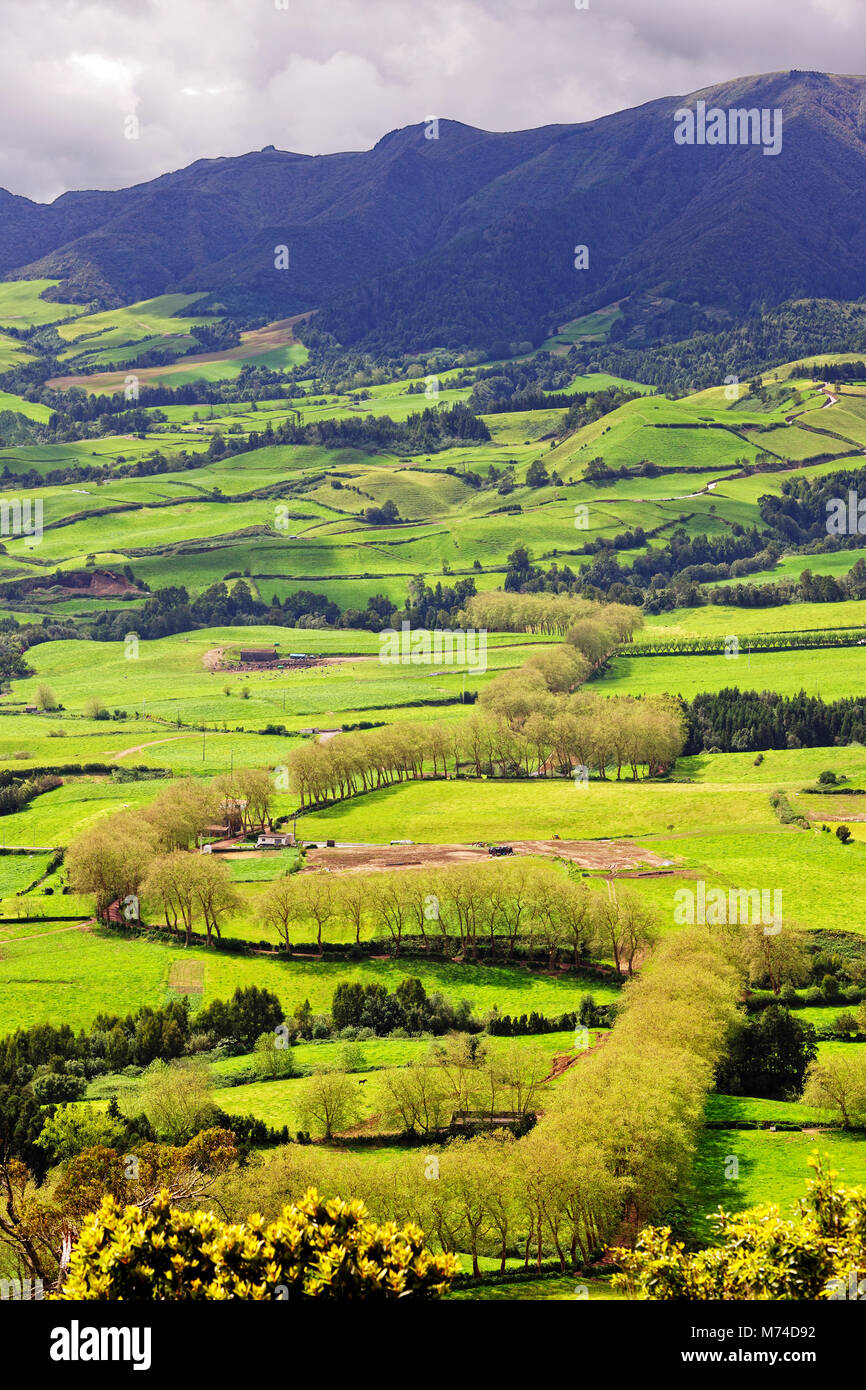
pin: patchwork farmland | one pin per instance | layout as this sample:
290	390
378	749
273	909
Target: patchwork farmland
435	778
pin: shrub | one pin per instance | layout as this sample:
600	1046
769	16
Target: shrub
315	1249
54	1087
844	1024
761	1253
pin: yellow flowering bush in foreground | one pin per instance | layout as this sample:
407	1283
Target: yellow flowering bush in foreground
818	1254
315	1249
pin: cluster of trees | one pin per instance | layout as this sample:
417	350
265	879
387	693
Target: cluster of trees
111	1043
457	1078
697	354
190	888
590	1015
798	513
16	792
35	1227
409	1008
494	907
423	432
809	588
530	377
734	720
672	573
53	1063
170	610
435	606
172	1137
146	850
768	1055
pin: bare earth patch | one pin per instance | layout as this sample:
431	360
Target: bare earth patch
253	343
588	854
186	977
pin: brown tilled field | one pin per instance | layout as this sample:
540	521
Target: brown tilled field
588	854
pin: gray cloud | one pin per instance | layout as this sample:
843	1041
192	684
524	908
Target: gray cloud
219	77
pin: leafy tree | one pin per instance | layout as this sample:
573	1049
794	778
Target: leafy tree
330	1102
21	1121
73	1128
769	1054
177	1099
273	1056
838	1083
55	1086
45	698
251	1011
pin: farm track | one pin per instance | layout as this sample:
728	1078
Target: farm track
563	1061
40	936
154	743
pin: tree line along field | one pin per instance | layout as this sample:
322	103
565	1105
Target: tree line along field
172	709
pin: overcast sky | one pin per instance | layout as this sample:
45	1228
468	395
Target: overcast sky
219	77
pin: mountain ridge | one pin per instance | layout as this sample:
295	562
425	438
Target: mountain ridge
469	237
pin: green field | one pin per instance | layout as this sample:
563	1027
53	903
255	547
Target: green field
448	812
772	1167
293	517
22	304
70	975
832	676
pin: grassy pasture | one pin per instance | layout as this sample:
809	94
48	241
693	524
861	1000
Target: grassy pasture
22	304
837	562
773	1167
272	345
54	818
781	767
456	811
830	675
72	975
720	620
18	871
820	879
33	410
145	744
169	679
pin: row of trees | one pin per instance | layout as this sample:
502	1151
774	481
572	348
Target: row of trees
734	720
521	731
616	1140
552	614
532	719
464	907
